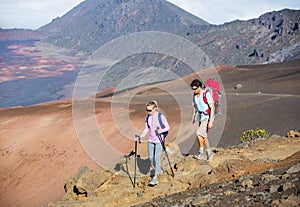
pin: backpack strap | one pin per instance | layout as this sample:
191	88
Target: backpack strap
160	121
147	118
195	104
204	97
207	112
165	134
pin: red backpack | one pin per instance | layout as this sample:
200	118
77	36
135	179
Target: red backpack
214	85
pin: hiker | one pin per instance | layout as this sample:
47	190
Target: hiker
203	107
153	125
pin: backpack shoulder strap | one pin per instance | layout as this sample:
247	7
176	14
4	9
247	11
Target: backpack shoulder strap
204	96
160	121
194	102
147	118
206	102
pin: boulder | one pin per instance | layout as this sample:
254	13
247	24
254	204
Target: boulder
293	134
237	86
85	183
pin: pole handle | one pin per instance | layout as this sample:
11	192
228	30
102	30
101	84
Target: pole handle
139	138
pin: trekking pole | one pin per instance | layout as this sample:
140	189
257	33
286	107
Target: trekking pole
135	157
164	148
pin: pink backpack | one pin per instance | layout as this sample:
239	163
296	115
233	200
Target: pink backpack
214	85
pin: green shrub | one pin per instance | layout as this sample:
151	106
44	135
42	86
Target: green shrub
252	134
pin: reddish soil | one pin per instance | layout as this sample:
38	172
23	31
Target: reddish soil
40	148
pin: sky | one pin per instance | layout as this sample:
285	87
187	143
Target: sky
32	14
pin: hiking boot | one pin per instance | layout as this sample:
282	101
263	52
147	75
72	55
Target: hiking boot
200	156
210	155
153	182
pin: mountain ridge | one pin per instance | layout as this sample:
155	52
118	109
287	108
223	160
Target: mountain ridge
103	21
251	41
257	40
58	53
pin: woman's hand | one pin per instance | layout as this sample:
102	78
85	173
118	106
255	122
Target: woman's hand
138	138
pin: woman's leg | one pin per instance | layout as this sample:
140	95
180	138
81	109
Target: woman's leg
151	151
157	155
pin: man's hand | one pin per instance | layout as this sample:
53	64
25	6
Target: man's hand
194	117
211	116
210	124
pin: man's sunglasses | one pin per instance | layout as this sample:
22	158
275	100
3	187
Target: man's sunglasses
195	88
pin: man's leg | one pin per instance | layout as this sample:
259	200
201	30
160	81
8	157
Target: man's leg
206	143
209	152
200	132
203	140
201	144
200	155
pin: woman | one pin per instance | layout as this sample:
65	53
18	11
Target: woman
156	124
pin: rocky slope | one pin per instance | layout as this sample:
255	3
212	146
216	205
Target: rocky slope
252	41
259	173
273	187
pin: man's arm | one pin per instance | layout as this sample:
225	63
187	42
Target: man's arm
194	116
212	115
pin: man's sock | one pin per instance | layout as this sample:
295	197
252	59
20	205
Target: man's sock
201	150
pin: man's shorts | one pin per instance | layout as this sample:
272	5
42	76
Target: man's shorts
202	129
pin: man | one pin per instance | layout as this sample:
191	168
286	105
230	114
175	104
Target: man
203	106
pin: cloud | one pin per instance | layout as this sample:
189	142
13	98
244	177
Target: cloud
219	11
32	13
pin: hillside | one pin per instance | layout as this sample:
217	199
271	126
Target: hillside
95	22
41	146
253	41
51	155
273	37
241	176
48	60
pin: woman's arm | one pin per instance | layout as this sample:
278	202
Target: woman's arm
146	129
